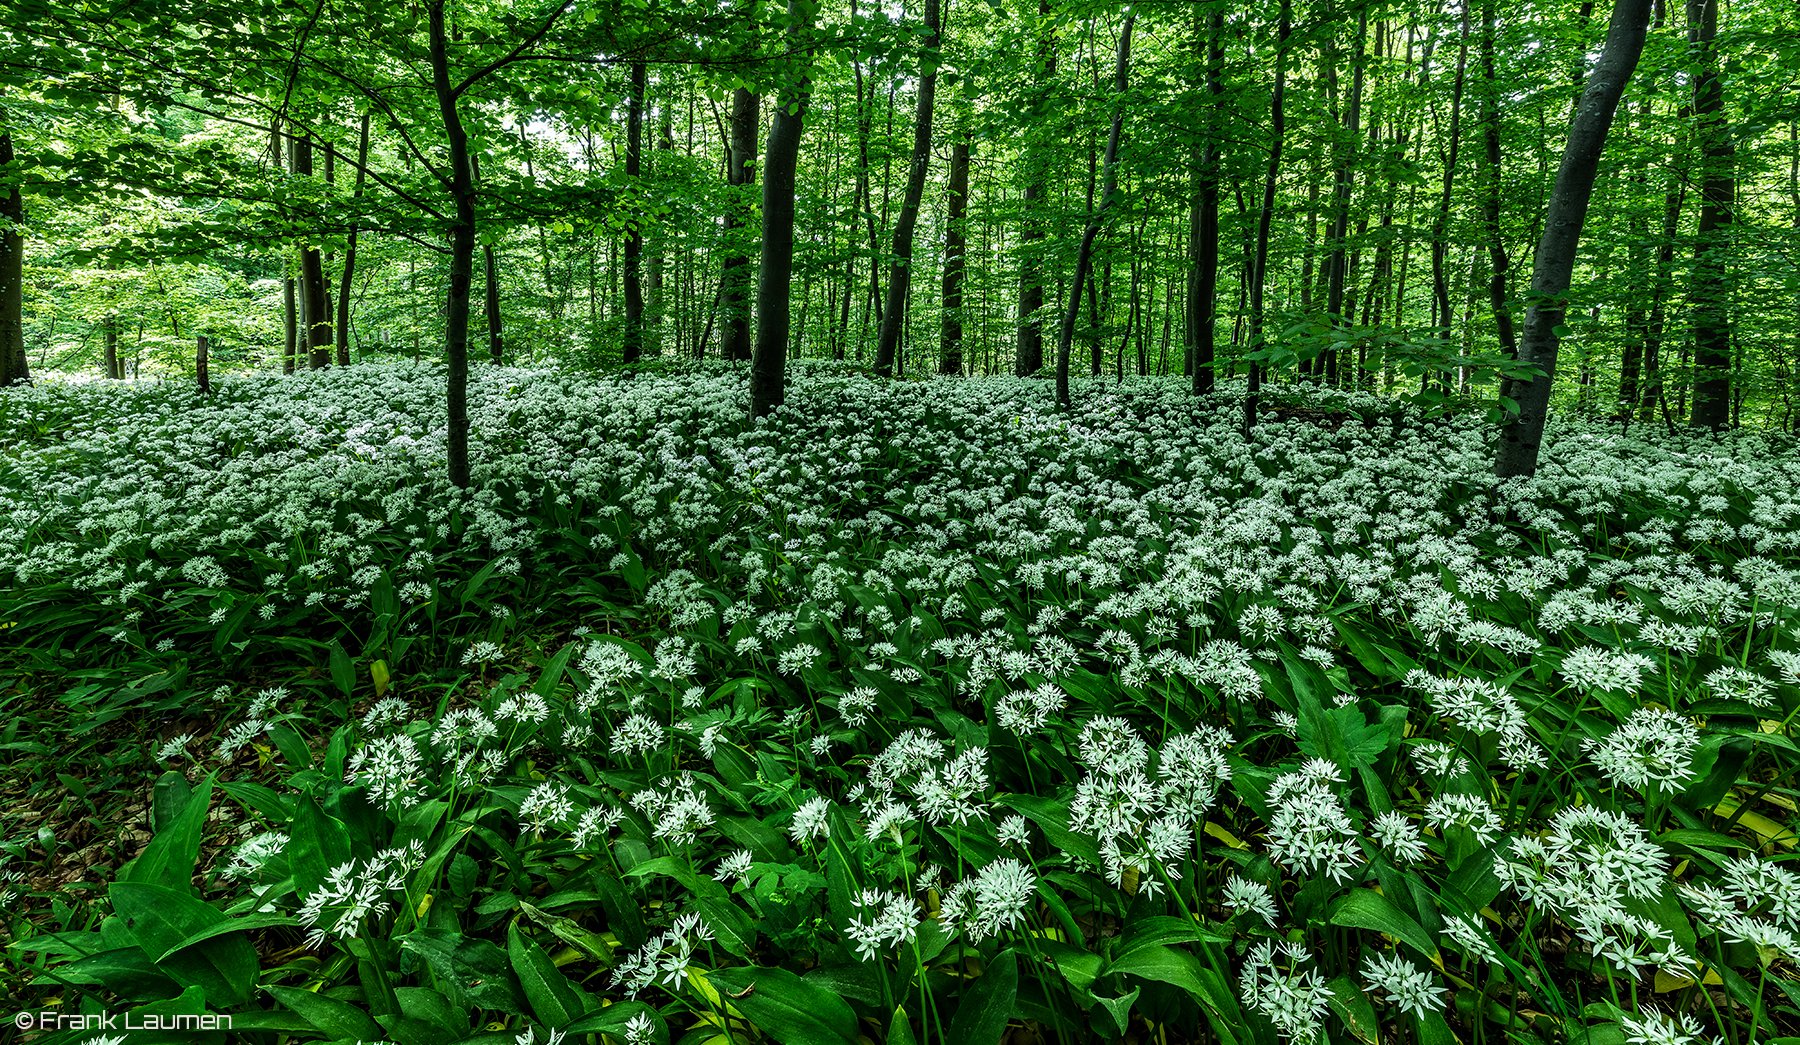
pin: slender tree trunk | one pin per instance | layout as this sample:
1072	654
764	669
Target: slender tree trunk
490	287
1343	181
1709	293
950	341
111	332
1442	316
312	278
15	367
768	377
343	301
1499	265
1203	288
734	295
1258	278
202	354
1084	257
1029	358
900	274
633	344
1522	437
290	311
462	251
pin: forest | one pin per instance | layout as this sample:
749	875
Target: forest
875	522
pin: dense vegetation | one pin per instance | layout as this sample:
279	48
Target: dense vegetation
620	521
913	710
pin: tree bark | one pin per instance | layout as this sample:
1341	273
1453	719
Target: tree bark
1259	266
1029	357
740	168
1203	288
1084	257
634	233
900	272
1499	265
1442	317
313	295
462	252
15	368
1709	294
950	341
768	367
202	354
343	301
1523	436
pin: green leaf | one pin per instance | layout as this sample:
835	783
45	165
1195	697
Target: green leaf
786	1007
471	968
170	857
554	1000
343	670
337	1020
1368	909
988	1004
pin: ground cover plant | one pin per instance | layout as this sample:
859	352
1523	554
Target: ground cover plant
910	712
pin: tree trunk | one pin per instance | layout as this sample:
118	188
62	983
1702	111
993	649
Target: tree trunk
462	252
110	327
1343	181
1084	257
1442	317
290	310
15	368
900	274
1259	266
313	294
490	285
1203	288
1523	436
634	233
343	302
1499	265
1709	293
734	280
768	368
1029	358
950	341
202	350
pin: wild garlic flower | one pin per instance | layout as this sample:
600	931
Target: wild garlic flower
1590	668
1243	896
1653	748
1190	770
480	654
1468	936
1652	1026
174	747
391	768
733	868
993	901
355	891
676	809
1309	829
1399	837
1731	682
545	806
1025	712
1409	987
1273	983
663	960
883	919
1469	812
811	820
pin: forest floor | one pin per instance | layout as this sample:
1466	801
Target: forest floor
922	711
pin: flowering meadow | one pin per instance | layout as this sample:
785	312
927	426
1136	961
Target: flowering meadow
916	712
